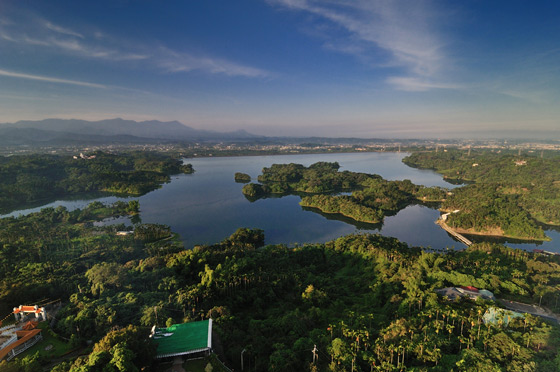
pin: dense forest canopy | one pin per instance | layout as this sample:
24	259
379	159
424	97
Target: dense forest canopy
366	301
29	179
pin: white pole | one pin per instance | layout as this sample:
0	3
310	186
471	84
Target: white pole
314	351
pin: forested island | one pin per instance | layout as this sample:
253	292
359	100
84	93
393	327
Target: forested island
366	301
509	195
371	197
29	179
242	177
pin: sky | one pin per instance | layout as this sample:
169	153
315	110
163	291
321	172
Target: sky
332	68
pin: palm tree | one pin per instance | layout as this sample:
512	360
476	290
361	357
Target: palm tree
449	328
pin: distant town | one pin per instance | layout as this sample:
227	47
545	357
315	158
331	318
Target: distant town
291	146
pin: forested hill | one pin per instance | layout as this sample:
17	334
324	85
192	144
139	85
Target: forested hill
509	192
29	179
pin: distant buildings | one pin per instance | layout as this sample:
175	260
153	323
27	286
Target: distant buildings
82	156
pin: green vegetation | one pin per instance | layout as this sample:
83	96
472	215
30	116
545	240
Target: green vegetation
344	205
126	349
371	199
367	302
509	192
242	177
60	254
254	190
485	209
321	177
45	254
29	179
364	300
51	347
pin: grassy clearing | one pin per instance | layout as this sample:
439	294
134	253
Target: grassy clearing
51	346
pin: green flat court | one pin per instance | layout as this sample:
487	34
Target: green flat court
182	339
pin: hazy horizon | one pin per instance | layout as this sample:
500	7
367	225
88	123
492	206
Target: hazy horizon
363	69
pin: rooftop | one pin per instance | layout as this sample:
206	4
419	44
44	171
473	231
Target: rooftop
183	339
495	315
453	293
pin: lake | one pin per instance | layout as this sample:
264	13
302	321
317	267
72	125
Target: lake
208	206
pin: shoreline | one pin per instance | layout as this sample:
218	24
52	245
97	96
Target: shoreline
340	213
441	223
461	231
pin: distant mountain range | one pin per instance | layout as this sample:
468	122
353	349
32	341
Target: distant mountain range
72	131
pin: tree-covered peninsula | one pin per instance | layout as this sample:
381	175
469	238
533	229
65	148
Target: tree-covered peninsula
29	179
508	195
371	196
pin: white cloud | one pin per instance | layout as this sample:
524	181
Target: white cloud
68	44
414	84
62	30
99	45
402	32
50	79
32	41
7	37
172	62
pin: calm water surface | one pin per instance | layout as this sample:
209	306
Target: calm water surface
208	206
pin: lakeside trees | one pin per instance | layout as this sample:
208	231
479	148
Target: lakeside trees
28	179
485	209
371	197
366	301
509	192
242	177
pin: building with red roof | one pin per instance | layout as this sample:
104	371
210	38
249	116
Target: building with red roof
21	311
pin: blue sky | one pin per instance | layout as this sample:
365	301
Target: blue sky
391	69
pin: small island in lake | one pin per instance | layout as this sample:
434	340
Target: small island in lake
242	177
370	196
